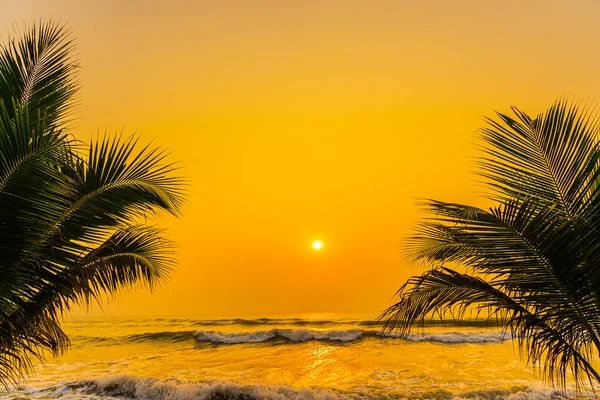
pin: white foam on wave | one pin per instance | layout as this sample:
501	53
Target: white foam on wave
234	338
460	337
305	335
130	387
453	337
293	335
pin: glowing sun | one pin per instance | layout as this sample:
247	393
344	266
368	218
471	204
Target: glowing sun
317	245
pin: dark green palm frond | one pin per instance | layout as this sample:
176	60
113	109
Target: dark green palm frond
533	259
539	246
525	245
445	292
554	157
113	187
65	220
492	241
37	70
135	255
117	184
132	255
25	339
33	193
114	163
31	183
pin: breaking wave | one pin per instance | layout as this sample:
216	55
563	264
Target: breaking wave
292	335
297	336
130	387
305	335
454	337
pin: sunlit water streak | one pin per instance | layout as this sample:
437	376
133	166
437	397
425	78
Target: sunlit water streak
281	358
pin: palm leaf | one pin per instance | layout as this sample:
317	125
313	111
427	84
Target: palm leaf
131	256
444	292
554	157
38	72
67	221
534	258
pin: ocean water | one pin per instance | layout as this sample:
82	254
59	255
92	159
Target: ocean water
304	357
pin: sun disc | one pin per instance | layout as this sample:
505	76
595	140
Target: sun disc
317	245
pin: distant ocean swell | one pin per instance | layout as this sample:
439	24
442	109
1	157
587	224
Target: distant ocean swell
129	387
302	322
291	336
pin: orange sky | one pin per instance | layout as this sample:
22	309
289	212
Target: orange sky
298	120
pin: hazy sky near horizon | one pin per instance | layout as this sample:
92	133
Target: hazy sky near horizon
298	120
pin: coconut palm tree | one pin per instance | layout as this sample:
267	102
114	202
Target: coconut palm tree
70	215
533	259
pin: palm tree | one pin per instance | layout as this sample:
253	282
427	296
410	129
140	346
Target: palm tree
533	259
69	217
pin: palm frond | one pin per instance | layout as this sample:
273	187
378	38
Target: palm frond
534	258
37	71
25	339
554	157
118	183
67	221
444	292
115	184
135	255
33	193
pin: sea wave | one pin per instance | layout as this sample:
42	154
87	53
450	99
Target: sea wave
480	322
305	335
323	322
453	337
296	336
276	322
292	335
130	387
